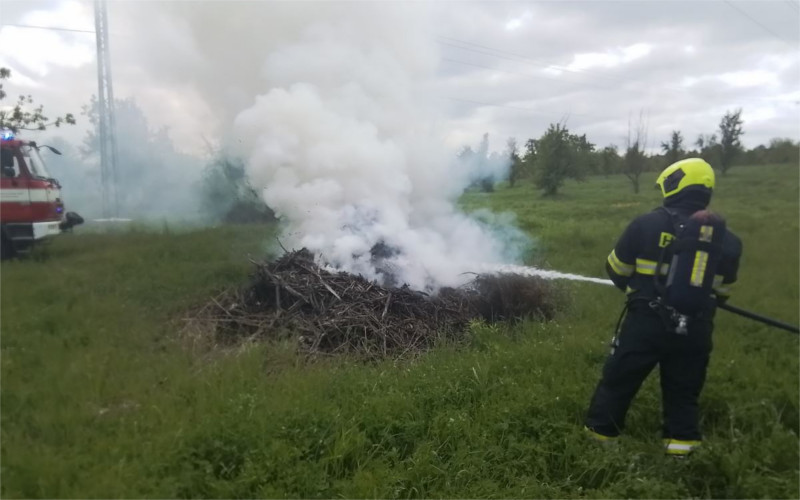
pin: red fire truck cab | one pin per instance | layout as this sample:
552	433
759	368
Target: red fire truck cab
31	209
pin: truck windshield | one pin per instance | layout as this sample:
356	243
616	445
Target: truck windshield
34	161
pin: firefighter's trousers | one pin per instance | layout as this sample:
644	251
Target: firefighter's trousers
645	340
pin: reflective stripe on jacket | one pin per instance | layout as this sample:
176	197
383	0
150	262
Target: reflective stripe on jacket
632	263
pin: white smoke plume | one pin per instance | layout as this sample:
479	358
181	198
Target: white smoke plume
343	145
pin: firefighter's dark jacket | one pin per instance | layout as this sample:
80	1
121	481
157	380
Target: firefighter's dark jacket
633	261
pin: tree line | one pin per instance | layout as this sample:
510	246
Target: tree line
559	154
548	161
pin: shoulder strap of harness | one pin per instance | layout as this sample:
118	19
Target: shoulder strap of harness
675	220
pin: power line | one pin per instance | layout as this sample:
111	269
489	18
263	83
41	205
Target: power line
482	103
753	100
748	16
521	59
529	110
46	28
527	75
516	57
795	5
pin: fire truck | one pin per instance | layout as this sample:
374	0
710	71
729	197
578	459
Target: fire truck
31	209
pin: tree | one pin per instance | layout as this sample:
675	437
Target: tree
227	194
153	178
20	118
700	142
730	128
780	150
783	151
634	161
559	155
482	169
585	155
708	148
517	167
5	74
487	182
673	149
529	156
609	160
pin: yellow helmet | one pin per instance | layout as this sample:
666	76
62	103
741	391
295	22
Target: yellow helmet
682	174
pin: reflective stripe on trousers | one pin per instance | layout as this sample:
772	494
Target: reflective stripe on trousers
679	447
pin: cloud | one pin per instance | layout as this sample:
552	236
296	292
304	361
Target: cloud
33	53
499	67
620	58
752	78
609	59
516	22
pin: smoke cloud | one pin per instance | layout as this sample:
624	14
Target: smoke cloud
333	107
154	181
343	145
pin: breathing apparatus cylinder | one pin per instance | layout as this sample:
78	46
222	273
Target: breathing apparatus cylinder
696	252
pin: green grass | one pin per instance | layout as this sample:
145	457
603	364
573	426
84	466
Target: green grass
102	398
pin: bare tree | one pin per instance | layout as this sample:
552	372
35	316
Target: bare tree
633	163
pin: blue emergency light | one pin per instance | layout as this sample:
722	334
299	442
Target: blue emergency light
6	134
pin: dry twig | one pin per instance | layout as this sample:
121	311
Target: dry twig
339	312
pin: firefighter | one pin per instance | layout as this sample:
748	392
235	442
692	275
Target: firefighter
651	331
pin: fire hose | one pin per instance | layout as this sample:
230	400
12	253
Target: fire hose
747	314
754	316
762	319
547	274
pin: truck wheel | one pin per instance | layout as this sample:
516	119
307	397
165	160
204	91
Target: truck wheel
6	248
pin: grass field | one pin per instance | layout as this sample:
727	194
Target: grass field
101	397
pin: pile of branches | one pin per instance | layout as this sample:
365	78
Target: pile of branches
331	312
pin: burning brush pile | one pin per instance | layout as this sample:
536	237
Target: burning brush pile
337	312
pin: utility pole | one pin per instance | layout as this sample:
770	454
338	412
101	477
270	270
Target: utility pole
108	125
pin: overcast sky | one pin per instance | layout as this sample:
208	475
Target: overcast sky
506	68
